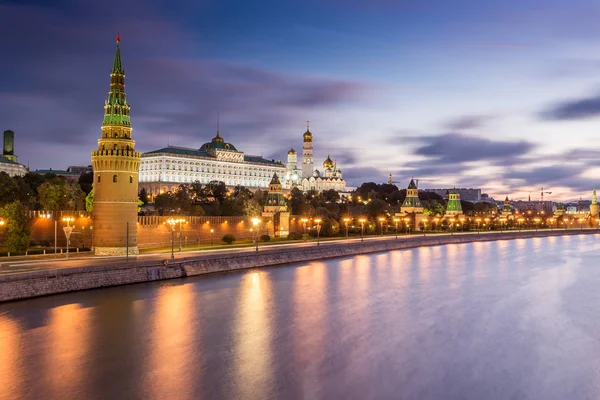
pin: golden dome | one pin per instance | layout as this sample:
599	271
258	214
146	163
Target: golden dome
328	163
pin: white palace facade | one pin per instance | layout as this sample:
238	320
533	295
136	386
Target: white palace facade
165	169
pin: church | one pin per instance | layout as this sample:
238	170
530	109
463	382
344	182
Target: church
307	177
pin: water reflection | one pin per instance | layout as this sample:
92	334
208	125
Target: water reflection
474	321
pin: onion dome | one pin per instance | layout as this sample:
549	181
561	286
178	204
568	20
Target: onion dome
307	134
218	139
327	164
292	151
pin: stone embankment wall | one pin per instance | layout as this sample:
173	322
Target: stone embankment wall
41	283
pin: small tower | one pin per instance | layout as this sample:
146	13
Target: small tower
412	203
116	165
275	210
594	207
292	174
8	149
453	208
308	163
507	209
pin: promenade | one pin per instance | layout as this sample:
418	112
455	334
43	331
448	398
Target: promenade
31	278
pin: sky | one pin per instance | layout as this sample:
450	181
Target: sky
501	95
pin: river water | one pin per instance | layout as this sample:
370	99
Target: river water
499	320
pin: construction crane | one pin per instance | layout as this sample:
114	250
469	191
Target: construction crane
542	194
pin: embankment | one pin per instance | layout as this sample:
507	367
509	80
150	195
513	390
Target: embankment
42	283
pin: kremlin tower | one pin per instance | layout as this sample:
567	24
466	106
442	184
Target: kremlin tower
116	165
308	163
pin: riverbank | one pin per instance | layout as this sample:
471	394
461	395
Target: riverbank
42	283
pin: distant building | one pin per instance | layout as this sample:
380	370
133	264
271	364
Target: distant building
8	159
71	177
472	195
80	169
535	205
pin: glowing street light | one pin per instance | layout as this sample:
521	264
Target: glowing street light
381	221
172	222
255	222
536	220
425	221
452	226
462	223
362	229
478	220
580	224
318	222
346	220
212	231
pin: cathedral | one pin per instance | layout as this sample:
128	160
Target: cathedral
307	177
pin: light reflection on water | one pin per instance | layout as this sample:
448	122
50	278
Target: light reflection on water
508	319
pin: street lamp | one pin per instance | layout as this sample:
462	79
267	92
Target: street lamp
381	221
255	222
566	222
462	224
346	220
502	221
478	220
536	220
68	229
580	224
318	222
48	216
487	220
436	221
425	221
304	221
212	231
362	229
396	220
172	222
406	221
452	226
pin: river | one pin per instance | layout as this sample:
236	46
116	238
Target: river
512	319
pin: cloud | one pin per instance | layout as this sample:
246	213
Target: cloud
357	176
584	108
468	122
458	148
544	175
54	97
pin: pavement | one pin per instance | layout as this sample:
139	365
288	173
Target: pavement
33	263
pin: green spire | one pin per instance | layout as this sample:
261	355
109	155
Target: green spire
117	66
453	201
275	180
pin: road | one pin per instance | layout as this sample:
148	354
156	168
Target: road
39	264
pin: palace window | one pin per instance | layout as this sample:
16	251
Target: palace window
99	176
114	178
130	179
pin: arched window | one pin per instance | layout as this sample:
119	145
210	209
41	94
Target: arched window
114	178
99	176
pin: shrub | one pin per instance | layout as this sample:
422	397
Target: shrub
229	238
265	238
294	236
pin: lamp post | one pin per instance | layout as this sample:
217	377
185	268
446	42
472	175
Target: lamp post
425	221
346	220
536	220
452	226
407	223
502	220
566	222
318	222
172	222
362	229
48	216
212	231
487	220
181	221
436	221
68	231
580	224
462	224
255	222
396	220
381	221
304	221
478	220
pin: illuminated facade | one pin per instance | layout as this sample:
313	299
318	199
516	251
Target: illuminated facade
165	169
276	214
116	165
453	207
8	159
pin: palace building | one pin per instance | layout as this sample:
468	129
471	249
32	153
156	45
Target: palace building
8	159
165	169
115	164
308	178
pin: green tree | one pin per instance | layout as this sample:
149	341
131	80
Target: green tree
143	196
8	188
86	181
53	195
89	200
75	197
17	235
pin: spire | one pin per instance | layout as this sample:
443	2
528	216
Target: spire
594	198
117	65
275	180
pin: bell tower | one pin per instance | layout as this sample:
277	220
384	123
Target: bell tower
116	165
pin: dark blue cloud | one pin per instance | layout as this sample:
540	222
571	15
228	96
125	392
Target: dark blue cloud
584	108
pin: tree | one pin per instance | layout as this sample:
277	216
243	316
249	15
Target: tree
53	196
376	208
8	188
89	200
143	196
75	197
86	182
17	235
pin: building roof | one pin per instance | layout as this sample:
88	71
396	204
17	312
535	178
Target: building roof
275	180
412	184
117	65
55	172
292	151
185	151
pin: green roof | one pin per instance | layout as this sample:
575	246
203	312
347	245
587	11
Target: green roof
275	180
453	205
218	145
117	65
55	172
185	151
412	185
